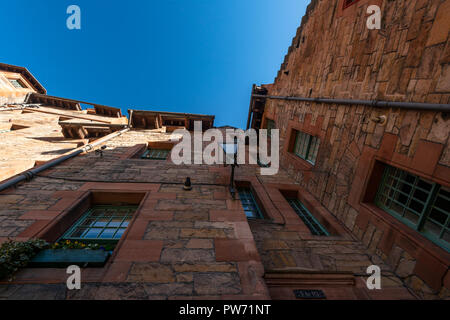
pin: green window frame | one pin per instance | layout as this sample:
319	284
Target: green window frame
17	83
104	224
270	124
251	208
308	219
306	147
420	204
156	154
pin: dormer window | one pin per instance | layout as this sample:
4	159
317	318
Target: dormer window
17	83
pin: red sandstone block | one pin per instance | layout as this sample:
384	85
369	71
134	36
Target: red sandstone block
40	215
234	205
228	250
44	275
427	156
430	270
442	173
68	194
162	196
139	251
221	195
242	230
387	147
227	215
63	204
34	229
153	215
117	272
137	230
251	274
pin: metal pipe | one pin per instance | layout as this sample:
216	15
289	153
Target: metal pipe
375	103
28	175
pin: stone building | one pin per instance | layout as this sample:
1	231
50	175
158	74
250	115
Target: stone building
312	230
364	130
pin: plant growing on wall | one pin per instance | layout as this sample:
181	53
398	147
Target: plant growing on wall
15	255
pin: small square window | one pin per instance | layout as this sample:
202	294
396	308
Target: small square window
17	83
156	154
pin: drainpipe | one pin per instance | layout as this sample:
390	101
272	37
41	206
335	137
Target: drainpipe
376	104
28	175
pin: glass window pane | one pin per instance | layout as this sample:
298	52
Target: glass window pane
249	204
420	204
102	222
108	233
92	233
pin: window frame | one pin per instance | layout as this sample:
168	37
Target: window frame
270	127
19	81
150	150
316	228
259	214
428	204
86	215
308	141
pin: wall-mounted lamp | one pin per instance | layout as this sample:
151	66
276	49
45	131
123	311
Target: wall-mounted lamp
230	151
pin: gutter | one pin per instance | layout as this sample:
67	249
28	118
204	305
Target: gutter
371	103
28	175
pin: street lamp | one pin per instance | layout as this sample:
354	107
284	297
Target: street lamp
230	150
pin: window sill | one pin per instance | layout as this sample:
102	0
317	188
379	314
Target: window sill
413	236
301	163
62	258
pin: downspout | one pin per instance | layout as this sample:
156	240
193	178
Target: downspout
375	103
28	175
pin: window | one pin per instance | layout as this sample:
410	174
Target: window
101	223
17	83
156	154
306	146
251	208
348	3
270	124
308	219
420	204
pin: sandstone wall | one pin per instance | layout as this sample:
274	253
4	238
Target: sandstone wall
335	55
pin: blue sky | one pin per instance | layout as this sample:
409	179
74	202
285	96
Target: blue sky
193	56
